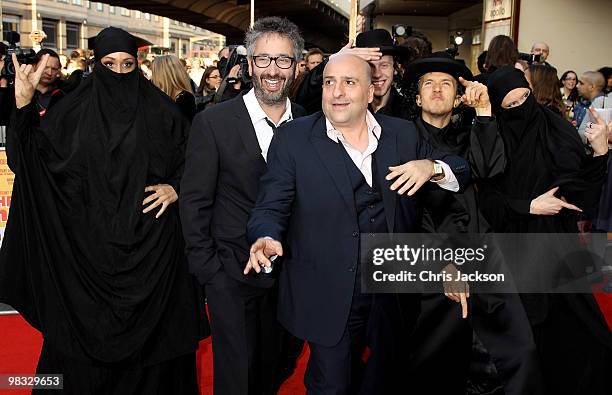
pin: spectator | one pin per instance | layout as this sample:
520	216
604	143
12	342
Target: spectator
47	91
501	52
313	58
196	71
590	86
542	49
301	68
172	79
569	92
544	87
211	79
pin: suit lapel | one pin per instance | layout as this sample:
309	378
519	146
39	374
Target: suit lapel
247	133
386	155
329	154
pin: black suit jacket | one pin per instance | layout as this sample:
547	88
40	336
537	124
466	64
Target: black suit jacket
223	165
306	200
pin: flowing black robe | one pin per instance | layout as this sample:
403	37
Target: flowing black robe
103	282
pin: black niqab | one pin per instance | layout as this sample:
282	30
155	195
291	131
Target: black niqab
101	280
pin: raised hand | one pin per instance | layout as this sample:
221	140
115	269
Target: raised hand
598	133
476	96
27	79
366	54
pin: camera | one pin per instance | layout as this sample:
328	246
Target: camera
238	55
24	56
530	57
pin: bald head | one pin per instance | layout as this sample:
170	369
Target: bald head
542	49
347	91
360	65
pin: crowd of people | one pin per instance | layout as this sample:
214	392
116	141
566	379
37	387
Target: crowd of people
145	191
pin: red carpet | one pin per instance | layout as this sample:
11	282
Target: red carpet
20	346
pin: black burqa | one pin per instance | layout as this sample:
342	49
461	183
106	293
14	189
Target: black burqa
103	282
544	151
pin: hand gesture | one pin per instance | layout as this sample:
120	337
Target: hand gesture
410	176
260	254
366	54
549	204
457	291
163	194
27	79
476	96
598	133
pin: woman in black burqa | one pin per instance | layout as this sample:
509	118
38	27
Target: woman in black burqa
548	179
103	280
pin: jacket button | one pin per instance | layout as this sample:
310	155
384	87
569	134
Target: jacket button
355	234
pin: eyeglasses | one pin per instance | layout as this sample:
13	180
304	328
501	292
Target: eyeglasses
263	61
214	76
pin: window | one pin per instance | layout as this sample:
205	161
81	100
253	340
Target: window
147	16
10	23
100	7
138	15
124	11
184	50
72	35
111	9
77	2
50	28
62	1
173	47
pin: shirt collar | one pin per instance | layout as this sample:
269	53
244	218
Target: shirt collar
258	114
373	127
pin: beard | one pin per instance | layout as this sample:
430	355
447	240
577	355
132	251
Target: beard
272	98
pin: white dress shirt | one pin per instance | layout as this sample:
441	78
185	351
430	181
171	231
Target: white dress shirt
363	160
258	116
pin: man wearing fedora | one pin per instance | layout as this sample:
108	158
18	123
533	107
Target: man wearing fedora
442	340
377	48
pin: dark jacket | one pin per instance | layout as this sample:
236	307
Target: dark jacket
306	200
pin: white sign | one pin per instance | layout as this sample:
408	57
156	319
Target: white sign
497	9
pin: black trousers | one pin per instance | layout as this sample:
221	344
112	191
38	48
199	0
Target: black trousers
246	338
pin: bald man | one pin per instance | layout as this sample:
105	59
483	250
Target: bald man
591	85
542	49
332	176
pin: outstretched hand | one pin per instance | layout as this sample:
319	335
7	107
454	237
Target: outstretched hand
27	79
548	204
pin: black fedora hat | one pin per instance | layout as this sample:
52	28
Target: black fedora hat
379	38
440	62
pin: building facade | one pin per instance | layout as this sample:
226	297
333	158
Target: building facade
69	23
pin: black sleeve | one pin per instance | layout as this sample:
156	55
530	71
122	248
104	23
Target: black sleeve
487	157
197	199
186	102
23	124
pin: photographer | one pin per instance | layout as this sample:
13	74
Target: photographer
235	74
6	96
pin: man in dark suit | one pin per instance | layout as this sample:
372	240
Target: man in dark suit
226	155
332	176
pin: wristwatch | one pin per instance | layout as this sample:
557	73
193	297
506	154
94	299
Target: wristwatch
438	171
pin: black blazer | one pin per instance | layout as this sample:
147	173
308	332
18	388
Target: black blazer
306	200
223	164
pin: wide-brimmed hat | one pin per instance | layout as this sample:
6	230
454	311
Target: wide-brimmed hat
380	38
440	62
